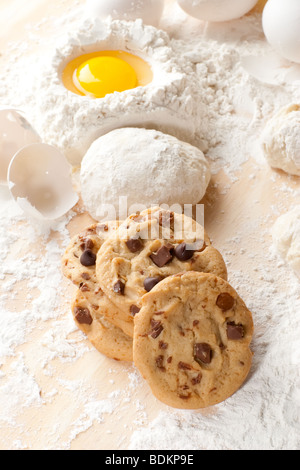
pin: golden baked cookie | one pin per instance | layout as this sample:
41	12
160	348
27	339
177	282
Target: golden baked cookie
105	337
192	340
148	247
79	265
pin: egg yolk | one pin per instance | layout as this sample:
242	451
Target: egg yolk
100	76
100	73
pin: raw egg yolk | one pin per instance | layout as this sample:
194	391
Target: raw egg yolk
100	73
100	76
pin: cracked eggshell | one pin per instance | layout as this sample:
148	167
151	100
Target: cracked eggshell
39	179
149	11
216	10
15	133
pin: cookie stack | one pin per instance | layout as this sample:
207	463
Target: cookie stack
154	290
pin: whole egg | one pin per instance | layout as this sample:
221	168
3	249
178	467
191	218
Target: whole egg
217	10
281	25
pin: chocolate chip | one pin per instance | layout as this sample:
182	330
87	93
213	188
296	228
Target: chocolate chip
202	353
134	310
185	397
184	366
196	380
87	244
88	258
183	252
162	257
184	392
86	276
163	345
134	245
150	282
119	287
234	331
83	316
91	230
225	301
159	363
156	328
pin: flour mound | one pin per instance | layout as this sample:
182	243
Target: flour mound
73	122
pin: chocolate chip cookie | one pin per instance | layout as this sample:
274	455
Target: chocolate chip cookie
192	340
106	338
147	248
79	265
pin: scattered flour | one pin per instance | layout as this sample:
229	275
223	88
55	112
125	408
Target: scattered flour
230	108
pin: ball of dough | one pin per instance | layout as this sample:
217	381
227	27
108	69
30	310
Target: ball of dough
146	166
286	238
281	140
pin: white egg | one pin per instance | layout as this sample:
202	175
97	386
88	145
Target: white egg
149	11
15	133
217	10
281	25
39	179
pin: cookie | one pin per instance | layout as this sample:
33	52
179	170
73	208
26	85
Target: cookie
147	248
192	340
79	265
105	337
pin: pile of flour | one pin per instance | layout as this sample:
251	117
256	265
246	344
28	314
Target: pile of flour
73	122
228	108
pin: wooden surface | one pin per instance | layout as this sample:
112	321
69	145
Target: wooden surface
63	421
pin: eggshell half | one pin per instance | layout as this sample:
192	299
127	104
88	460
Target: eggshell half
15	133
39	179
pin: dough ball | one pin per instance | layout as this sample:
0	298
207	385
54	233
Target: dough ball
286	238
281	140
146	166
